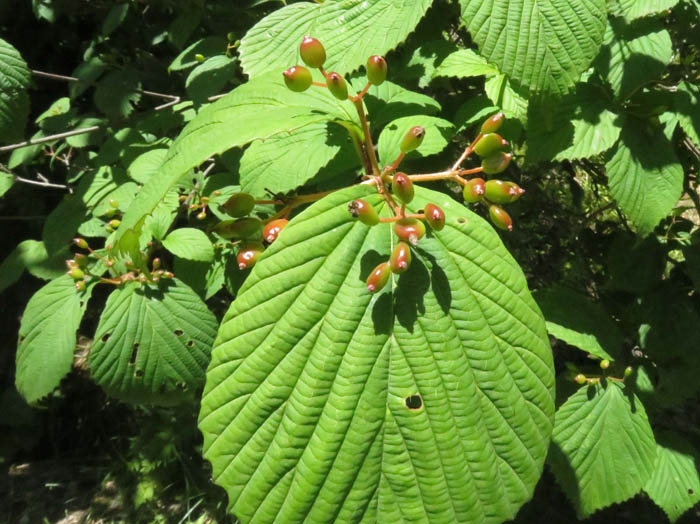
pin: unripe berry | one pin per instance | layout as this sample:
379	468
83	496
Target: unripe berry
199	57
238	229
114	224
500	218
376	70
435	217
201	215
474	190
273	228
109	212
113	203
496	163
80	285
409	230
493	123
80	242
402	187
155	263
500	192
239	205
413	139
580	379
337	86
378	277
248	254
604	364
312	52
489	144
364	211
628	371
76	273
297	78
400	258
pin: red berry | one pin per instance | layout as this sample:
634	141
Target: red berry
273	228
297	78
376	70
400	258
378	277
364	211
337	86
413	139
409	230
248	254
312	52
474	190
500	218
402	187
493	123
435	217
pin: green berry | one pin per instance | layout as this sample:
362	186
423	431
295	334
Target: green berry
80	242
297	78
199	57
402	187
474	190
114	224
364	211
155	263
80	285
413	139
500	192
409	230
376	70
273	228
239	205
580	379
239	229
337	86
604	364
202	215
312	52
500	218
76	273
489	144
400	258
493	123
378	277
248	254
628	371
435	217
496	163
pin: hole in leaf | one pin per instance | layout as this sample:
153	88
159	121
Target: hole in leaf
190	343
138	373
461	220
105	337
21	339
134	351
179	332
690	491
414	402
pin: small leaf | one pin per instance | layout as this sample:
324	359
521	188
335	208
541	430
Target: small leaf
687	102
86	73
117	93
438	133
464	63
675	484
503	95
633	9
147	164
152	343
189	243
210	46
210	77
114	18
205	278
14	101
6	182
47	337
603	449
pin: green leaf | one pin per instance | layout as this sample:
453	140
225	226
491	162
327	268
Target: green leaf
14	101
205	278
633	9
575	319
32	256
117	93
189	243
464	63
47	337
438	133
350	30
634	265
265	105
580	125
152	343
86	73
114	18
147	164
603	449
634	56
675	484
644	175
473	111
420	64
58	108
6	182
210	46
503	95
542	45
304	414
210	77
287	161
687	102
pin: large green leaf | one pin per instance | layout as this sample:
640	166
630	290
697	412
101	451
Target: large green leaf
190	243
502	93
152	343
306	413
258	109
675	484
603	449
438	133
644	175
350	30
32	256
687	102
14	101
47	337
633	9
464	63
542	45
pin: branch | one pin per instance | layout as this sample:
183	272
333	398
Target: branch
39	183
51	138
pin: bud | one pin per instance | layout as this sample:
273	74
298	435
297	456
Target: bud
364	211
413	139
500	218
500	192
489	144
238	229
402	187
400	258
496	163
435	217
248	254
312	52
273	228
378	277
474	190
493	123
155	263
580	379
80	242
376	70
409	230
239	205
297	78
337	86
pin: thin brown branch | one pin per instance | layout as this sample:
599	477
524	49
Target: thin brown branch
51	138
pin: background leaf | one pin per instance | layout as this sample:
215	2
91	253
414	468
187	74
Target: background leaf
438	133
14	101
464	63
304	413
189	243
633	9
